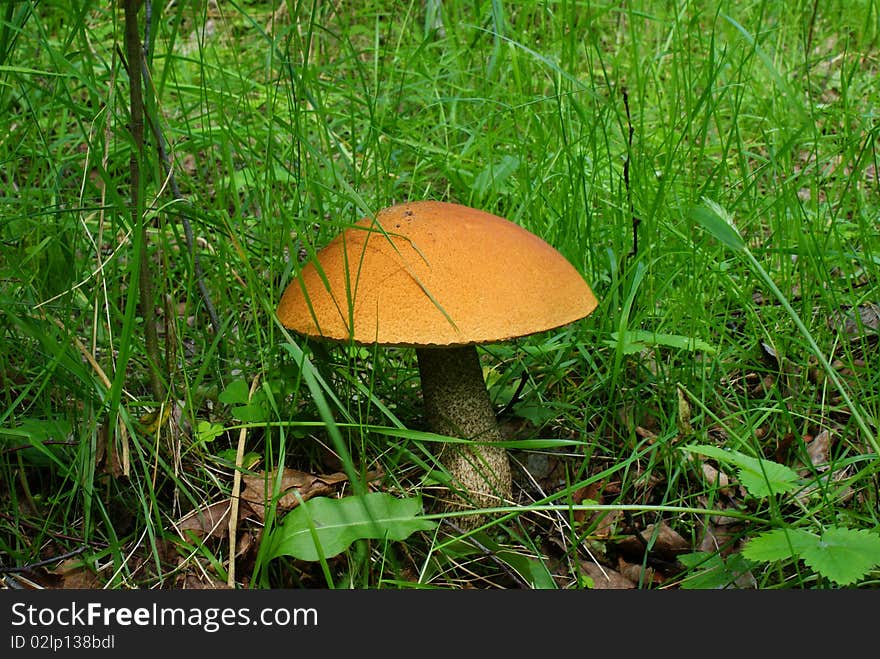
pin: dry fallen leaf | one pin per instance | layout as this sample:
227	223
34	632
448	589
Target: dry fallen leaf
246	542
717	478
193	576
858	322
684	413
213	519
637	573
720	505
666	545
210	520
74	575
192	582
819	450
591	492
604	520
605	578
720	538
295	486
830	483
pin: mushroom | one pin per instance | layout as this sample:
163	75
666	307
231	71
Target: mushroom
442	278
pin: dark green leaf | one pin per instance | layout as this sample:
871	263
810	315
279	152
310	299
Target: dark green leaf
322	527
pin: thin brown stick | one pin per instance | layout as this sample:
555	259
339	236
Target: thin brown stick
636	221
236	493
136	127
198	272
152	116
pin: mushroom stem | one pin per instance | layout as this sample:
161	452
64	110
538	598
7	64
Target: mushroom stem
457	405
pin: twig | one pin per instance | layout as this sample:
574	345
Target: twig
161	148
236	493
145	282
198	272
48	442
635	220
46	561
808	46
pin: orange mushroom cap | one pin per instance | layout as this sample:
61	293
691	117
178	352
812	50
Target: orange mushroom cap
432	273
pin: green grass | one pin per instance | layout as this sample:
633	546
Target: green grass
284	124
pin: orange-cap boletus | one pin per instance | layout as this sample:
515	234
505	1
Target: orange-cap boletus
442	278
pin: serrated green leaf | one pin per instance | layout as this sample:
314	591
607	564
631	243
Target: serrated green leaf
759	476
323	527
778	545
840	554
844	555
717	222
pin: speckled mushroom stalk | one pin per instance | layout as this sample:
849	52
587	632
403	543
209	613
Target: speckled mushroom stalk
457	405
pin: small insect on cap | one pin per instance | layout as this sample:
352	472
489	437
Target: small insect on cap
432	273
